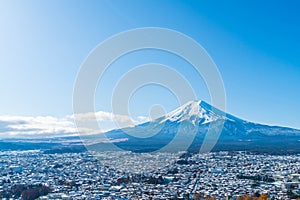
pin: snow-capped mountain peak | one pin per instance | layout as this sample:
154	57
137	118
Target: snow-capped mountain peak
175	129
191	111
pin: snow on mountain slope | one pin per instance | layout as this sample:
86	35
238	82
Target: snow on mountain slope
189	125
200	115
196	112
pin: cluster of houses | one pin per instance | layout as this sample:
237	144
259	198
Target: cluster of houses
127	175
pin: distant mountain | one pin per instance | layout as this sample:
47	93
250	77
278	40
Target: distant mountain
185	128
200	113
189	125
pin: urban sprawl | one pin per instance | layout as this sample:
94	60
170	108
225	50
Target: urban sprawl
127	175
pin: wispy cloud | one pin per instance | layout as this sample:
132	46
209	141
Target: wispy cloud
49	126
107	116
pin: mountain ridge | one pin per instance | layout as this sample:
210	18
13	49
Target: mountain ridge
184	129
207	114
195	119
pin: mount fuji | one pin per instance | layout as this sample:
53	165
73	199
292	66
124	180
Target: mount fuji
187	128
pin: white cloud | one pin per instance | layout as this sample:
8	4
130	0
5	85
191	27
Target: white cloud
14	126
119	121
48	126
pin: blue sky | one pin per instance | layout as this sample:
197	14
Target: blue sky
255	44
